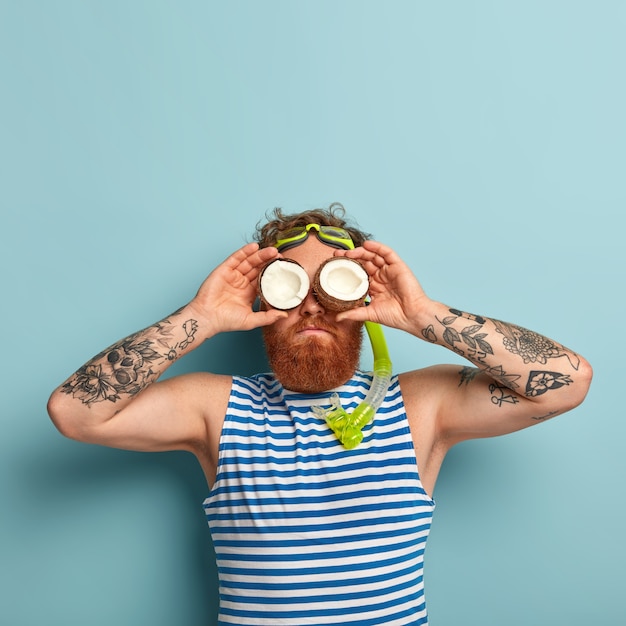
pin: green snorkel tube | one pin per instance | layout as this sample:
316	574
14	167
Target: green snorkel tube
349	426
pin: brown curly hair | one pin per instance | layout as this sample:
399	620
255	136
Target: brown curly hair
267	234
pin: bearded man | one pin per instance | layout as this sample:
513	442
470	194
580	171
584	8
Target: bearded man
305	530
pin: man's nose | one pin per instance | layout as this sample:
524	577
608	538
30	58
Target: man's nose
311	306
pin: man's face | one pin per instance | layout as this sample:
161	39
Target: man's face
308	351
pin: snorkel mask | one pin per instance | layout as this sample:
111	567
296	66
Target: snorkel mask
347	427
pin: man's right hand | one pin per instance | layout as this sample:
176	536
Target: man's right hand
225	299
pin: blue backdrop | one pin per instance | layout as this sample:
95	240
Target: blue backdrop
140	142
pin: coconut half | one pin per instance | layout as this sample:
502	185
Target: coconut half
283	284
341	283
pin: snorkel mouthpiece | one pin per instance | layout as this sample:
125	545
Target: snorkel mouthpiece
349	426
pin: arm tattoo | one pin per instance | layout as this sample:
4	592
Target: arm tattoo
532	347
429	334
126	367
468	374
540	382
546	416
467	342
499	392
469	316
190	327
471	343
498	374
500	395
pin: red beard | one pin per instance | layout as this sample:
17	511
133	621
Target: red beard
312	364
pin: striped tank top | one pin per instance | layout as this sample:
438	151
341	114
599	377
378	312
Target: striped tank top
307	532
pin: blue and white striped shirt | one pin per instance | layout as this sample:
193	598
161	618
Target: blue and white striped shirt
307	532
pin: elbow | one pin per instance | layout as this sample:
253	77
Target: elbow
582	381
61	416
566	392
584	378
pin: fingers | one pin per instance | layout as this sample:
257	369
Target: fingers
392	288
249	260
264	318
375	253
250	255
358	314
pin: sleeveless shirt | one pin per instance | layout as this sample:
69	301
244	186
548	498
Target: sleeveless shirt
307	532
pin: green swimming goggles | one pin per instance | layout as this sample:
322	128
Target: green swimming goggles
330	235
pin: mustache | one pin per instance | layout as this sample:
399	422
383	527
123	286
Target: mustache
317	322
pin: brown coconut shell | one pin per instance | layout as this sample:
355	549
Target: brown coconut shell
339	302
271	272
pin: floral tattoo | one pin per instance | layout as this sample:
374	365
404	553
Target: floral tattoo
468	341
532	347
127	367
540	382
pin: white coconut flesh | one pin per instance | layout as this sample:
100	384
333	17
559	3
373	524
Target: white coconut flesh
284	284
343	279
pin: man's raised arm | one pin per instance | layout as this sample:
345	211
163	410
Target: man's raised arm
518	377
113	399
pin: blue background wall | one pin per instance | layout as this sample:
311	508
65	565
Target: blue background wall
140	141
